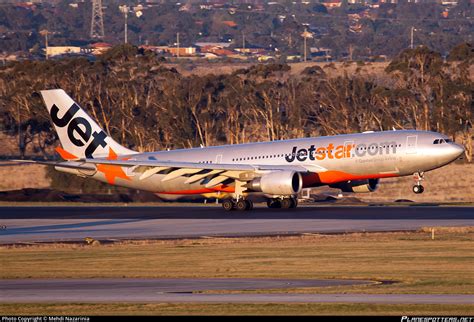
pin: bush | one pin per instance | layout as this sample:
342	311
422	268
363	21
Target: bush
461	52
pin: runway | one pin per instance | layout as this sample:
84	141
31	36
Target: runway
46	224
187	290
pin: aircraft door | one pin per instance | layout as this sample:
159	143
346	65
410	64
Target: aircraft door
411	144
346	149
219	158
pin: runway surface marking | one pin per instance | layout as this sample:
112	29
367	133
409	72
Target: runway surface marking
42	224
180	290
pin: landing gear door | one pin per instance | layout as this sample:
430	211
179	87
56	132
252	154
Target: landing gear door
411	144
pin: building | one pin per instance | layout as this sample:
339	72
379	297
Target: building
213	44
216	50
52	51
181	51
250	51
100	47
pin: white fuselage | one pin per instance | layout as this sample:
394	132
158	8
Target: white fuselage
344	158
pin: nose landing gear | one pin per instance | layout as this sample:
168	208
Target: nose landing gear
418	177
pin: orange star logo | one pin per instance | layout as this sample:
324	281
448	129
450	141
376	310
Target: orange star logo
112	171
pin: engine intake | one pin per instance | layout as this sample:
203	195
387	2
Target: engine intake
358	186
278	183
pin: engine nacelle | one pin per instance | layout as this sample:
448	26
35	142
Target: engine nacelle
278	183
358	186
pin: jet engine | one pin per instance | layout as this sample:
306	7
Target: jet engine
278	183
358	186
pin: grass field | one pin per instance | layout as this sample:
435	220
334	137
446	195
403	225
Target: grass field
417	263
234	309
413	260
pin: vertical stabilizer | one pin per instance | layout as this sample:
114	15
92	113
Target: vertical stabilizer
81	137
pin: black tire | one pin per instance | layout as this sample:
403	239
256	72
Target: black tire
294	202
269	203
241	205
286	203
273	203
418	188
250	204
228	205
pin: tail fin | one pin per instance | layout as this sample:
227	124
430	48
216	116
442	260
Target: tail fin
79	134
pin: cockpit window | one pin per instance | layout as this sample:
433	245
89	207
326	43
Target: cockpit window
439	141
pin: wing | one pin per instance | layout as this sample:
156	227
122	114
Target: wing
214	173
217	172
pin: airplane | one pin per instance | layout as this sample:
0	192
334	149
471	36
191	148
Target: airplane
276	170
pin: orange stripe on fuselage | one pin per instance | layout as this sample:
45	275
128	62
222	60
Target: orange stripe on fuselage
333	176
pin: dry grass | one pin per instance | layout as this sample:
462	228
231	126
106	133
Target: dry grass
234	309
23	176
448	230
419	264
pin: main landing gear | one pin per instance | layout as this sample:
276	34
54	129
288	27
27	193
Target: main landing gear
241	204
284	203
245	204
418	177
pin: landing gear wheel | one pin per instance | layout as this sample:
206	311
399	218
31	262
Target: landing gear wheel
242	205
294	202
273	203
228	205
418	188
286	203
250	204
418	177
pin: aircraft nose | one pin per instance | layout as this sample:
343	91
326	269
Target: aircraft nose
455	151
